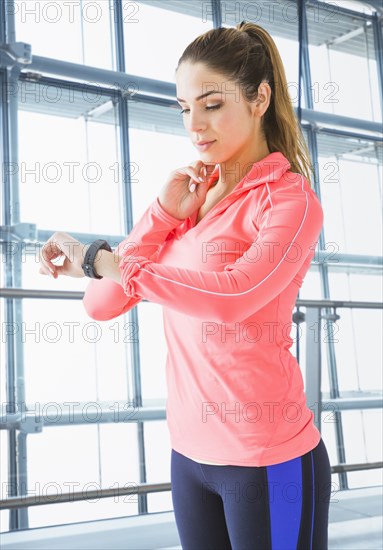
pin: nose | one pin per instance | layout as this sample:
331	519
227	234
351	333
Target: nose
196	122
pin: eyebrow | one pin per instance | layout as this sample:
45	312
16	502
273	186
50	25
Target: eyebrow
201	96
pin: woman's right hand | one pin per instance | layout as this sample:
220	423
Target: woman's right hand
177	196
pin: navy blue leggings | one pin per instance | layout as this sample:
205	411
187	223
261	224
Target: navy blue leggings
279	507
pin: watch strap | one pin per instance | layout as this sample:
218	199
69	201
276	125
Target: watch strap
90	255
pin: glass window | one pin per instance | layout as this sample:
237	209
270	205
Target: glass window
76	31
338	41
156	48
158	453
363	427
356	339
153	352
67	174
350	187
71	357
153	156
82	458
360	431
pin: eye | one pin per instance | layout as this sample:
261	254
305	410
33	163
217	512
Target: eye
207	108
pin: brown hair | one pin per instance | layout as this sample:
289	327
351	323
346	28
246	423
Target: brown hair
247	55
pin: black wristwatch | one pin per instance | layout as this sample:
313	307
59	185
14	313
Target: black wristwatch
90	256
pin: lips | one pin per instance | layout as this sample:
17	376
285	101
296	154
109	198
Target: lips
204	145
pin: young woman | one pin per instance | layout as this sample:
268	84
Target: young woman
225	257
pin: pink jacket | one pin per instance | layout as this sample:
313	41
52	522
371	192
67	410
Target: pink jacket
228	286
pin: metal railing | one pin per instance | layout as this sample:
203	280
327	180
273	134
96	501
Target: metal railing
27	420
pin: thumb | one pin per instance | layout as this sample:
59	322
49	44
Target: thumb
65	268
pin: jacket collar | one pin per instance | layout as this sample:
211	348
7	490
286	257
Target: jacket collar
270	168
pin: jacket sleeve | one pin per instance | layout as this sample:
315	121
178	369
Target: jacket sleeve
104	298
289	222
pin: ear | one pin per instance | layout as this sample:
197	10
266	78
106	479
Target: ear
262	101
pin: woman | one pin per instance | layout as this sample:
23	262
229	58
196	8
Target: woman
226	257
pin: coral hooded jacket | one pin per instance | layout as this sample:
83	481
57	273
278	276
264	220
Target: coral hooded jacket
228	285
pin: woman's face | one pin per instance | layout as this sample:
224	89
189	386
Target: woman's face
224	117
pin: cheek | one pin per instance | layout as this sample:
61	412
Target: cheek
234	136
233	126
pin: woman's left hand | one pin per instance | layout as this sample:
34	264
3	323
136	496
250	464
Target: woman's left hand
62	244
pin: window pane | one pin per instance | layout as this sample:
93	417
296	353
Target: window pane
358	352
82	458
70	357
74	31
145	37
67	174
363	444
160	502
358	287
168	151
153	353
157	455
351	195
366	287
339	42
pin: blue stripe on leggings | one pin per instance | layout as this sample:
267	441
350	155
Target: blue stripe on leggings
312	520
285	502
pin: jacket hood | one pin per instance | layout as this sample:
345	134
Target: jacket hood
270	168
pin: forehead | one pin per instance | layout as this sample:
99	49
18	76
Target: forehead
193	79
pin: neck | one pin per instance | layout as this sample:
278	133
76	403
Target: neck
231	173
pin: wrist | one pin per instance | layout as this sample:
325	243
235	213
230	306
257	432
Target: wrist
166	211
84	251
93	260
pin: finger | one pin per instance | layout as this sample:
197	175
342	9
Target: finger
202	168
198	175
206	170
65	269
50	251
47	271
47	267
189	172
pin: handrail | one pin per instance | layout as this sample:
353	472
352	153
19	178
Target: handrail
78	295
139	488
72	414
36	500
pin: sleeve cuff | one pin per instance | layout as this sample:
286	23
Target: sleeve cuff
165	216
129	266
